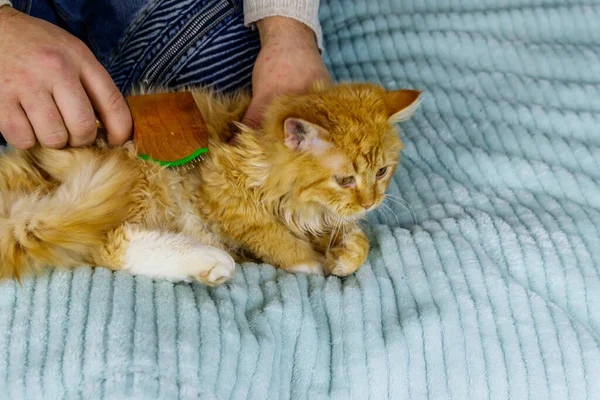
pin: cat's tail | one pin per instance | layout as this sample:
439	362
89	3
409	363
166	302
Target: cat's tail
64	228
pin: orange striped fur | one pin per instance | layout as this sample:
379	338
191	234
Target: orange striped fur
275	195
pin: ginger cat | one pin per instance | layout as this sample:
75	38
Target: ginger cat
290	194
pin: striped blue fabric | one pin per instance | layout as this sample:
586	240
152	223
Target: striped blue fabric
486	286
168	43
189	42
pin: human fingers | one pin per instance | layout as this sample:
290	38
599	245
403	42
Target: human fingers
15	126
108	102
45	119
76	111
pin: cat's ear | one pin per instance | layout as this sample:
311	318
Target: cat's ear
303	135
401	104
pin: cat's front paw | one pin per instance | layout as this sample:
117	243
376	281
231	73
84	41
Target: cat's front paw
311	268
347	258
211	266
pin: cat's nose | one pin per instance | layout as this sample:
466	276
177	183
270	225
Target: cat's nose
367	205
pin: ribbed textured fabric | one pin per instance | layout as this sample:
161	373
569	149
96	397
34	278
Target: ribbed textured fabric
305	11
490	290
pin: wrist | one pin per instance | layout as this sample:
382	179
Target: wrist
285	30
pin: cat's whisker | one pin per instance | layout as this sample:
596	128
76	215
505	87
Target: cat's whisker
407	208
405	204
393	213
383	213
392	196
334	234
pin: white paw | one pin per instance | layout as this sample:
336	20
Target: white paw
344	266
314	268
340	269
176	258
209	265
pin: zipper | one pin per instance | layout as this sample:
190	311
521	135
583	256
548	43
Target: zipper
156	68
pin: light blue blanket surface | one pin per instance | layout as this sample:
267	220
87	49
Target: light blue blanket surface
490	289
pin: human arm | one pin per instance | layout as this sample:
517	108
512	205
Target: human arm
289	60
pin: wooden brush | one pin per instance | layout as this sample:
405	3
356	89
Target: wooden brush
168	128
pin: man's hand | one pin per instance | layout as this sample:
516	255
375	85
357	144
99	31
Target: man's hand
288	62
50	84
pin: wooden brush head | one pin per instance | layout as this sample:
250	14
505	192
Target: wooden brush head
168	128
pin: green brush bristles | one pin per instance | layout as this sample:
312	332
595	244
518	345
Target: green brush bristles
176	163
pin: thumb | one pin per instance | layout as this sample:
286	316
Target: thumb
253	116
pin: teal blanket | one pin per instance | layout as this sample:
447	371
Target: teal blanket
485	285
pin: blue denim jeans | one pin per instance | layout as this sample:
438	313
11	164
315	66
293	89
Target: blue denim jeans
169	43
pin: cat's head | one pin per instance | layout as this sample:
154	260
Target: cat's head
340	144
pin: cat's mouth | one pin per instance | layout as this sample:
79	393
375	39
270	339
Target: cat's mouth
356	216
353	213
363	213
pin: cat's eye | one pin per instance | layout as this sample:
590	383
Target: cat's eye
344	181
382	171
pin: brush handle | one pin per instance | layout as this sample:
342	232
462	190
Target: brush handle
167	127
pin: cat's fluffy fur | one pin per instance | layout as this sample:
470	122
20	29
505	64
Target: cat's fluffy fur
290	194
